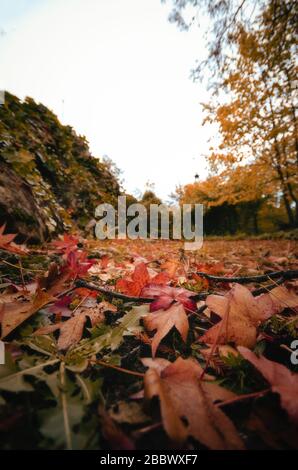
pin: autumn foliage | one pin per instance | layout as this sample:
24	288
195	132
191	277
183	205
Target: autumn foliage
111	325
253	184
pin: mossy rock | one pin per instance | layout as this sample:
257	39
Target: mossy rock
49	180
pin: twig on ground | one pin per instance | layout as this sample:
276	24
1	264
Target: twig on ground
128	298
265	289
285	275
244	397
110	293
202	296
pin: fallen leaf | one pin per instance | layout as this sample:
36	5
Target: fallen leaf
164	320
115	437
170	266
60	307
6	239
159	363
139	279
71	331
7	243
15	309
77	264
104	261
66	244
160	278
53	281
187	406
240	313
128	325
84	292
281	379
165	296
276	301
215	355
277	260
211	268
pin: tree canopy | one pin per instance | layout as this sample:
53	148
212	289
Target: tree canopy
254	104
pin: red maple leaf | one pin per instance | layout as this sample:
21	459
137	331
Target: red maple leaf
210	268
6	242
104	261
66	245
6	239
84	292
139	279
77	264
165	296
61	306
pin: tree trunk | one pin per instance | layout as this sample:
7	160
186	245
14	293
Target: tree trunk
289	210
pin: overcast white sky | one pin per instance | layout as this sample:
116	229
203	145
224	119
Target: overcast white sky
117	72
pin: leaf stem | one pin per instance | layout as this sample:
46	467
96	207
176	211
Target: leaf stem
64	407
120	369
28	371
244	397
24	269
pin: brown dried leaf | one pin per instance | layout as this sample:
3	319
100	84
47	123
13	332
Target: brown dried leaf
276	301
183	395
16	308
53	281
240	313
71	331
281	379
164	320
115	437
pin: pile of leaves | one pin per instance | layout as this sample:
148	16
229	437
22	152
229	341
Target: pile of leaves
137	344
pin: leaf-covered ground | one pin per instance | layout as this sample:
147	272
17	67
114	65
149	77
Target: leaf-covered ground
135	344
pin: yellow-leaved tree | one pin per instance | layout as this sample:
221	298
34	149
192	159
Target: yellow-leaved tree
257	116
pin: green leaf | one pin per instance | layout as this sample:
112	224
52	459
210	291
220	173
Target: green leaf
15	381
42	344
53	423
128	325
58	423
91	389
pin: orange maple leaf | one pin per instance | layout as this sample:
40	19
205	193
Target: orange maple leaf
6	242
139	279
